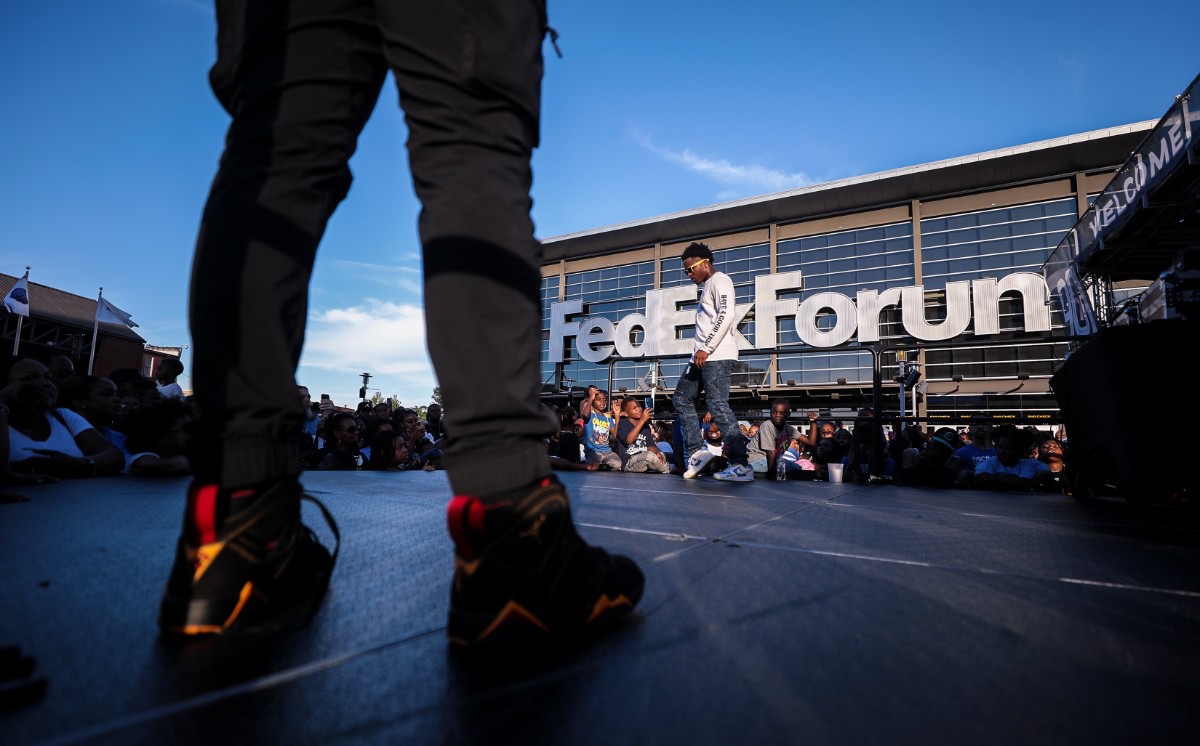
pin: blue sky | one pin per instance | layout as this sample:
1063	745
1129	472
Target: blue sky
111	136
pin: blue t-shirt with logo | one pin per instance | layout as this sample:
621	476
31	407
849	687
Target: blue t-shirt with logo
596	432
974	455
1026	468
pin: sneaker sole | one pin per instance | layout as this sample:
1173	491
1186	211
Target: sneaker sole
515	626
726	476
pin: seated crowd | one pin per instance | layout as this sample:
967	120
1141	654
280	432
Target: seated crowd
621	435
62	425
56	425
375	438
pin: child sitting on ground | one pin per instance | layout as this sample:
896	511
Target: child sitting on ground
715	442
796	461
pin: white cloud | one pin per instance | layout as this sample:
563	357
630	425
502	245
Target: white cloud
747	179
389	268
1074	71
403	277
383	338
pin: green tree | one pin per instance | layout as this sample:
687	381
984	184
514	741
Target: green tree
377	398
437	396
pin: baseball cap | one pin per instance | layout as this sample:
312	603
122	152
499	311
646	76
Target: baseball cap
947	438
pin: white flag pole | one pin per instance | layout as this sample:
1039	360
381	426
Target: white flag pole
20	321
95	332
17	339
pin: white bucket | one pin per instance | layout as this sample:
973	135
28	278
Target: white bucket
835	473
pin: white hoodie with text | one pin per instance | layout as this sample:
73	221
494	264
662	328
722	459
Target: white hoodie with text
715	319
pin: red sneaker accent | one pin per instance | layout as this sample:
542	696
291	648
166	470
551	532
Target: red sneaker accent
202	507
467	515
457	518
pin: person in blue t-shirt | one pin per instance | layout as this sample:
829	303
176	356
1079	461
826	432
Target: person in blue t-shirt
965	459
598	430
1012	469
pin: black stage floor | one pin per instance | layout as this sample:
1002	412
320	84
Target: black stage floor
774	613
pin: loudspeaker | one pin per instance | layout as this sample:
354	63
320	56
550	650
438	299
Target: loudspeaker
1128	397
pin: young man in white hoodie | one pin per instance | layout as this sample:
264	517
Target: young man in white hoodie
714	355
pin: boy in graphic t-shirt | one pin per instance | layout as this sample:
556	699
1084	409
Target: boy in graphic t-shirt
598	430
635	441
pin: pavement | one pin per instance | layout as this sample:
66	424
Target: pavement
797	612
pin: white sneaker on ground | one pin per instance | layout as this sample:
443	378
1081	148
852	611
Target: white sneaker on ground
735	473
696	463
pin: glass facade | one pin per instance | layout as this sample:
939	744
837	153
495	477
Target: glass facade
980	361
991	243
815	368
741	264
842	262
549	296
848	261
611	292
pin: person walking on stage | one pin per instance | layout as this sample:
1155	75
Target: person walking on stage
714	355
300	78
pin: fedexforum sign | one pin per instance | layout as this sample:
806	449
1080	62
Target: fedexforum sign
598	338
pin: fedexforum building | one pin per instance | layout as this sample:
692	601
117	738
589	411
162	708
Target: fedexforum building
937	268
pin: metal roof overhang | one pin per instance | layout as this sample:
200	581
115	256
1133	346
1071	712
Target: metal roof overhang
1040	161
1124	236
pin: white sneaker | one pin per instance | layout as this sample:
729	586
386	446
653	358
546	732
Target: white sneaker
735	473
696	463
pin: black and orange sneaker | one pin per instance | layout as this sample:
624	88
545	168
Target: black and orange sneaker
523	575
261	571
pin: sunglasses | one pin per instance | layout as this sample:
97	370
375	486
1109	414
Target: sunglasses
692	268
351	429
